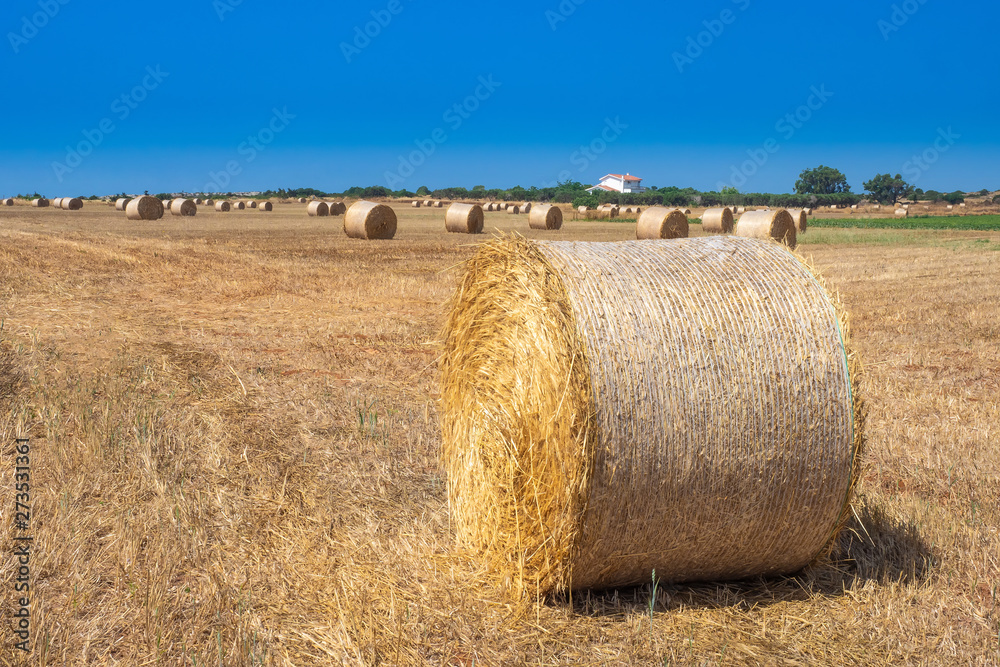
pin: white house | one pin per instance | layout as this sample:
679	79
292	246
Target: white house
617	183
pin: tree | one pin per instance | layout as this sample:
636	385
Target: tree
886	189
423	191
956	197
821	181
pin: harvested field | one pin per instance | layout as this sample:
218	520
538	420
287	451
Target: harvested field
236	457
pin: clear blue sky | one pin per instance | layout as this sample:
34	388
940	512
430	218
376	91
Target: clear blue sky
895	80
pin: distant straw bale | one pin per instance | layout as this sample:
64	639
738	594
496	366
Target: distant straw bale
717	221
183	207
368	220
660	222
545	216
777	225
41	202
144	208
122	204
318	209
223	206
464	219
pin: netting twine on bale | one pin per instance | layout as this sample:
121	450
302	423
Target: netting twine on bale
608	409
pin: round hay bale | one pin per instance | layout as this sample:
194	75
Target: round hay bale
902	213
949	208
223	206
800	218
183	207
717	221
41	202
302	200
251	203
608	409
144	208
686	211
239	206
415	204
628	210
464	219
638	210
488	207
581	209
70	203
438	204
266	206
368	220
741	210
854	207
57	202
526	207
659	222
513	209
8	202
209	202
545	216
166	204
121	204
198	202
962	206
777	225
318	209
808	211
614	212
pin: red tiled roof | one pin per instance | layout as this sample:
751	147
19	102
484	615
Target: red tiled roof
627	177
603	187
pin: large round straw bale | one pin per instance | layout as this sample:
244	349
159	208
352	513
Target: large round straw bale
144	208
902	213
801	219
464	219
659	222
223	206
686	211
438	204
57	202
209	202
41	202
545	216
777	225
251	203
368	220
198	202
302	200
428	203
121	204
415	204
239	206
183	207
166	204
337	208
809	211
717	221
8	202
526	207
266	206
611	409
318	209
581	209
513	209
71	203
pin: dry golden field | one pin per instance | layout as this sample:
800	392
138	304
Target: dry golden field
235	458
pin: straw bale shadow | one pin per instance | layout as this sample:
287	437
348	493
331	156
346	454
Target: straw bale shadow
873	547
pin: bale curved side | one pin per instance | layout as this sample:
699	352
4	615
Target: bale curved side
239	206
8	202
513	209
41	202
144	208
184	208
546	216
659	222
555	366
415	204
464	219
717	221
121	204
318	209
266	206
71	203
210	202
251	203
368	220
776	225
